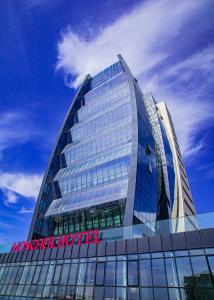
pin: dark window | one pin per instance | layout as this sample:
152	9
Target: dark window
185	276
132	273
201	271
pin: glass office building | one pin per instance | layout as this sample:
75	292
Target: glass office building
104	225
111	165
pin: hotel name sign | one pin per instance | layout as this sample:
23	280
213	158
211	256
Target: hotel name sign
85	237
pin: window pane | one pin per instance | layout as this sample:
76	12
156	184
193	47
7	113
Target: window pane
120	293
132	273
43	274
57	274
24	275
121	273
145	273
81	274
160	294
64	275
89	292
36	275
90	273
201	271
185	276
79	293
72	274
50	274
174	294
146	293
98	293
19	274
158	272
110	273
109	293
30	274
70	292
100	273
133	293
171	273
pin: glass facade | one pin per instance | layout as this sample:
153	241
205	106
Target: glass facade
112	164
161	275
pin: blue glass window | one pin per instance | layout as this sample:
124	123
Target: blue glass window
133	273
158	272
100	273
145	273
201	271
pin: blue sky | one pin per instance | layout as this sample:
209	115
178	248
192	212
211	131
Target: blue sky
46	49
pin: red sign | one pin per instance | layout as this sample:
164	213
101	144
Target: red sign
85	237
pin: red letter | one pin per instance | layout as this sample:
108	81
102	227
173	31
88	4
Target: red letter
96	240
15	247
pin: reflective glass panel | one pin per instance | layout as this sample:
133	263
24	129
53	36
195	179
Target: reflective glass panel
145	273
160	294
171	272
201	271
72	274
90	275
121	273
132	272
110	273
100	273
158	272
185	276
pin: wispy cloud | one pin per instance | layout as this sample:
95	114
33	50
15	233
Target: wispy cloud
15	129
10	197
26	185
24	210
157	41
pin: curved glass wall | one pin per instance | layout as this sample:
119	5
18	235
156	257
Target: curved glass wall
95	164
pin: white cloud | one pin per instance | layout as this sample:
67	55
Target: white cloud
24	210
153	39
139	36
15	128
11	198
26	185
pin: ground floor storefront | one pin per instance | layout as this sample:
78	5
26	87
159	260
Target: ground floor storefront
171	266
